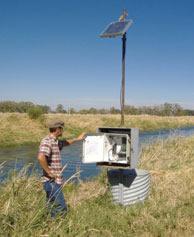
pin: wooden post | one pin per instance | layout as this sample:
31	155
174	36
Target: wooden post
123	80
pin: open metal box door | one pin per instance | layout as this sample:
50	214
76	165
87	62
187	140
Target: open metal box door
93	148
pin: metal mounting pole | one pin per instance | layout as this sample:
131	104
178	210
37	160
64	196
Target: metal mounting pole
123	79
121	187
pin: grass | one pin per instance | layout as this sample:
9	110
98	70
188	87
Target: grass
167	211
17	129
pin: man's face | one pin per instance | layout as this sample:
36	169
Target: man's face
59	131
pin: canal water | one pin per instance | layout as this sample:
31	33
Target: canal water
16	158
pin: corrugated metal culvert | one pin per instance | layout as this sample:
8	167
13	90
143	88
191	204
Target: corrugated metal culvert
129	186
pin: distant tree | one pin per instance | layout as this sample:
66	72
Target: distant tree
83	111
131	110
24	106
71	111
177	110
113	110
8	106
92	111
156	110
60	109
166	109
102	111
46	109
189	112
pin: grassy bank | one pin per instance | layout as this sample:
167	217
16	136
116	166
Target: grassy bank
168	210
19	129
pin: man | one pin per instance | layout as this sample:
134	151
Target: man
50	160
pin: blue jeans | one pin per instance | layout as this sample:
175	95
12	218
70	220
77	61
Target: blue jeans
55	200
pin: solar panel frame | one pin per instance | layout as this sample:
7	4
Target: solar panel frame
113	29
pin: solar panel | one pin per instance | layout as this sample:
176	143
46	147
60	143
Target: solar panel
116	28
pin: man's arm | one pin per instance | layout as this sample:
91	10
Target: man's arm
44	165
71	141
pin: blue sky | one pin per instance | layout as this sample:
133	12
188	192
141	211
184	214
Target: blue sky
51	52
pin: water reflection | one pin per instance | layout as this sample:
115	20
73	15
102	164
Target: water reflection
20	156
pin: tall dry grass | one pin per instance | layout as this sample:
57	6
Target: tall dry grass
167	211
17	128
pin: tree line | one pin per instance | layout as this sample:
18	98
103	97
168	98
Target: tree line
21	107
166	109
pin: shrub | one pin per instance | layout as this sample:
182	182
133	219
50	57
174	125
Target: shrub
35	112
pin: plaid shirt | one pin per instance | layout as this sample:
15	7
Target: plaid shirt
50	148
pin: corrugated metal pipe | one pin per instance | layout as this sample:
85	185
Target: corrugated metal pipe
129	186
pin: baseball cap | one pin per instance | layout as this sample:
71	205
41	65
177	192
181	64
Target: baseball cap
56	123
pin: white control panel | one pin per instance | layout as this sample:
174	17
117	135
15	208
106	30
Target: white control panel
106	147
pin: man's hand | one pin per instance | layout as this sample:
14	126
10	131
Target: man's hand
52	177
44	165
70	141
81	137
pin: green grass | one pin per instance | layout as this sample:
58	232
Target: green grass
167	211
